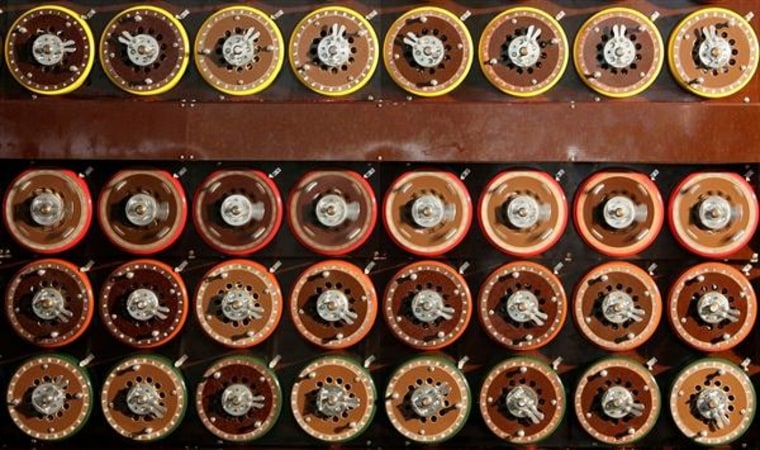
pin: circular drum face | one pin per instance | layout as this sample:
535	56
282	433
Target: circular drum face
144	398
239	50
50	397
524	52
47	211
144	50
50	50
333	399
428	400
332	212
617	306
523	213
522	305
713	214
238	303
237	212
713	402
427	305
143	303
142	211
333	304
712	307
522	401
49	303
619	52
617	401
619	213
713	52
428	51
427	213
334	51
239	399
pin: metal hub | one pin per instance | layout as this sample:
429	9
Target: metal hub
714	308
143	400
141	209
429	211
332	210
619	212
238	50
524	51
238	304
332	306
522	402
712	404
714	213
618	402
332	401
49	398
715	52
48	49
427	400
142	49
143	304
46	209
618	308
427	50
238	210
427	306
334	50
619	51
522	307
238	400
523	212
48	304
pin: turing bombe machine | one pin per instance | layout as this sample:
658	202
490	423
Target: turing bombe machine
379	224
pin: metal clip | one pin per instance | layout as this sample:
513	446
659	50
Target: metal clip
655	173
750	15
466	15
650	363
749	174
651	269
368	362
560	173
461	363
368	268
747	269
465	173
560	15
183	14
369	173
86	268
558	267
275	172
655	15
745	364
87	360
181	266
276	360
181	172
557	361
277	264
463	268
87	172
182	359
372	14
277	14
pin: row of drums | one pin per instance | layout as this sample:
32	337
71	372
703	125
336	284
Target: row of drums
426	305
425	212
428	51
427	399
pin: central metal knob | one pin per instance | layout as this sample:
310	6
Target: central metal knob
238	210
142	50
619	51
333	305
48	399
714	213
428	50
48	304
46	209
143	399
523	212
618	307
715	51
239	304
332	210
427	306
522	402
143	305
427	400
618	402
523	307
141	209
49	49
428	211
334	50
238	50
714	307
524	51
712	404
333	401
238	399
619	212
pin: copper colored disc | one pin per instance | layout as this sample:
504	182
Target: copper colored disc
524	51
427	213
428	399
617	401
522	305
239	399
428	51
713	214
50	397
712	307
333	304
143	303
47	211
523	213
334	51
619	52
144	398
619	213
49	303
333	399
713	402
332	212
239	50
617	306
237	212
238	303
427	305
50	50
144	50
713	52
142	211
522	401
